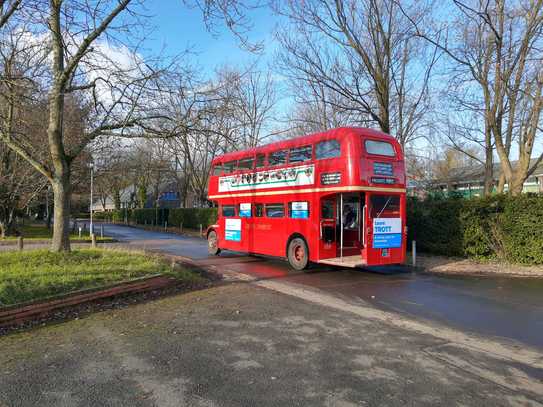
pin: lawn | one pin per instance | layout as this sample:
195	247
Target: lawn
36	274
40	232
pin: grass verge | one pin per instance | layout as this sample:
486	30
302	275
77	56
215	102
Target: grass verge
37	274
40	232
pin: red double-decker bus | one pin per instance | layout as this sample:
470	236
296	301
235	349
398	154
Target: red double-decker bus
336	197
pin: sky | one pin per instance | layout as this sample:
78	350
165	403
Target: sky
178	27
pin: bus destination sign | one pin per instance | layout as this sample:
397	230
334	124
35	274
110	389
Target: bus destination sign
330	178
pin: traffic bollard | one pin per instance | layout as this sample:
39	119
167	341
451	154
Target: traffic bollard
414	252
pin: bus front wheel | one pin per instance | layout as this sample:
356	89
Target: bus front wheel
213	243
298	253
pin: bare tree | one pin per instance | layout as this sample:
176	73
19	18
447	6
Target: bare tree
497	46
83	41
7	9
364	51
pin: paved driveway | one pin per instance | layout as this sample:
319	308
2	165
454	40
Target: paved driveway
270	338
242	345
503	307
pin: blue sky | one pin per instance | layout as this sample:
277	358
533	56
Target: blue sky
178	27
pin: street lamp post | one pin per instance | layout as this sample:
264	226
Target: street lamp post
91	229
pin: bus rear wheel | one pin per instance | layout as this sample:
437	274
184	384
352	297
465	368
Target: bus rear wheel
298	253
213	243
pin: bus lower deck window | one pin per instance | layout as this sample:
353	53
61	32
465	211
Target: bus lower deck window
384	205
275	210
259	210
228	210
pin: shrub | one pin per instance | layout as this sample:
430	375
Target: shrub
506	227
192	217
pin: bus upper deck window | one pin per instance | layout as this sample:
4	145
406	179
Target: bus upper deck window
300	154
217	169
278	158
275	210
327	149
228	210
246	164
380	148
229	167
260	160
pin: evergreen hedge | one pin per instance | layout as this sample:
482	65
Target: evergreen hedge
189	217
192	217
498	227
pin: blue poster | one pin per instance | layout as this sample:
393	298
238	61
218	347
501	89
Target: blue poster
387	233
245	210
299	210
232	230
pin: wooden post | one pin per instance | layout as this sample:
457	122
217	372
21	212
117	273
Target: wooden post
20	243
93	240
181	227
414	253
80	232
165	225
102	231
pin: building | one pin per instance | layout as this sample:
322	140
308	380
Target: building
168	197
469	181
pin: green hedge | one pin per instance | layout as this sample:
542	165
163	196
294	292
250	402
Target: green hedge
190	217
503	227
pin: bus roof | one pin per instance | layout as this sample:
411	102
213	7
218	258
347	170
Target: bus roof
298	141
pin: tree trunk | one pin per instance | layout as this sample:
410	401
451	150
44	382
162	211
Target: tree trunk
61	226
489	171
517	185
501	183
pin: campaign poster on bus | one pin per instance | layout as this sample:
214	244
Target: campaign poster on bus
299	210
387	233
245	210
232	230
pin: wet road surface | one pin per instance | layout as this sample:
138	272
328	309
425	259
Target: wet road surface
510	308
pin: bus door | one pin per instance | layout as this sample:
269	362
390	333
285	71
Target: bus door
327	227
349	225
341	225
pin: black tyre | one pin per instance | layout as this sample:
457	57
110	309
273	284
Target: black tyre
213	243
298	253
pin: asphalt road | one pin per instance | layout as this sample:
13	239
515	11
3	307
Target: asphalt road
510	308
273	338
